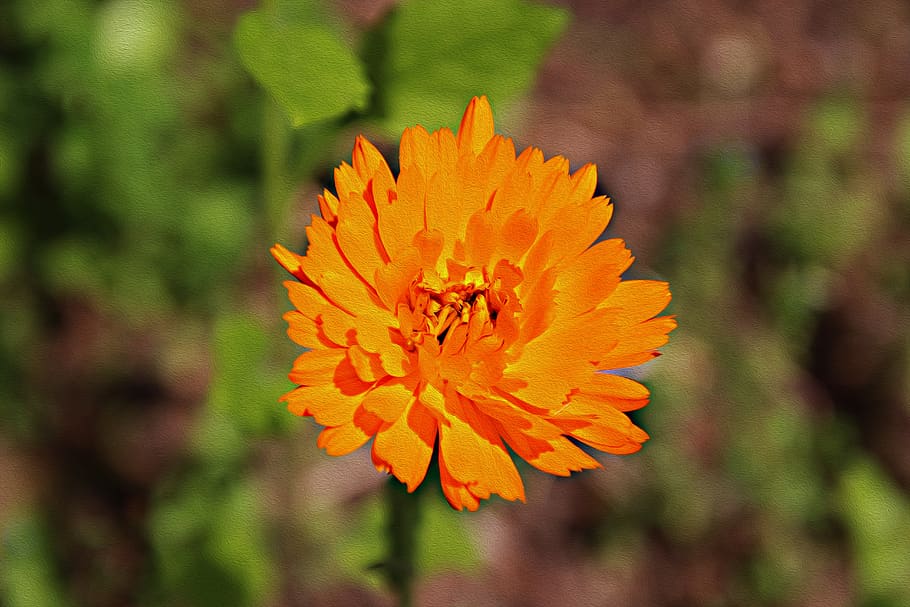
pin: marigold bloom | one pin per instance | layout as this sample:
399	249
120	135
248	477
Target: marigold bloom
462	305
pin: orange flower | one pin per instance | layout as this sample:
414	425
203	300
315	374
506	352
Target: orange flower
463	307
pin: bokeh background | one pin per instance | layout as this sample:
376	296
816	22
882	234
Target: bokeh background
758	154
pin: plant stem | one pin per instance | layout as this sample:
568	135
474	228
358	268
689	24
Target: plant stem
403	510
275	147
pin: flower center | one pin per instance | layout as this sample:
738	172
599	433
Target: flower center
447	310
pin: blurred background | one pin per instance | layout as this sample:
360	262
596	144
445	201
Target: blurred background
758	154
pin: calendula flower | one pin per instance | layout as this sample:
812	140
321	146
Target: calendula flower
464	307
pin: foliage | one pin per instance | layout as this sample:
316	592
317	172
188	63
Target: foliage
307	68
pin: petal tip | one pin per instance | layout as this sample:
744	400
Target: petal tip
476	127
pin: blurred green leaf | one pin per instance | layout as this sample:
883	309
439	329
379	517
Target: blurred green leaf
822	218
134	36
442	540
73	159
64	29
75	264
836	124
210	542
246	388
27	573
214	229
685	508
797	296
783	565
9	163
829	211
432	57
307	68
878	517
903	154
11	242
41	20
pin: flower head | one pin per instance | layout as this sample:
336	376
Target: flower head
463	306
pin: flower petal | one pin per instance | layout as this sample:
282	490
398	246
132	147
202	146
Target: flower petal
328	206
329	395
394	278
476	128
584	282
371	166
456	493
332	403
596	423
449	203
534	438
289	261
621	393
328	269
404	216
638	300
348	437
358	237
305	331
560	457
367	366
317	366
404	447
473	453
388	400
638	344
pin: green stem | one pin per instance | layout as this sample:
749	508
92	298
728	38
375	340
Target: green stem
403	520
276	141
275	148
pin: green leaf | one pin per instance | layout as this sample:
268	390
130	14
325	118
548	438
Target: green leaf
307	68
836	125
27	572
877	516
246	387
437	55
134	36
211	545
443	541
903	153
